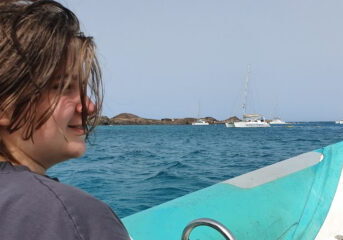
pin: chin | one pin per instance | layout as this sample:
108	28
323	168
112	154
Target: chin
77	151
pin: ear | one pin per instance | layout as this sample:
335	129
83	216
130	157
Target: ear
4	119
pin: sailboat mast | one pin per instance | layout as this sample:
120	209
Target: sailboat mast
244	106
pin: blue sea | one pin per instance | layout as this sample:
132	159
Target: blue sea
133	168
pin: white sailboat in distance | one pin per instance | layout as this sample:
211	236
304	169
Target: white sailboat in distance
277	121
199	121
249	120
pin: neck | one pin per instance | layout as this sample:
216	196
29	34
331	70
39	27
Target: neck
24	160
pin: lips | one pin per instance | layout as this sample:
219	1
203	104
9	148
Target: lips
77	128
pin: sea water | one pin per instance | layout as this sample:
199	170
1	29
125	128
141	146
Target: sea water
133	168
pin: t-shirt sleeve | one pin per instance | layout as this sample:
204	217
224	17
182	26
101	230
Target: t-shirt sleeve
91	218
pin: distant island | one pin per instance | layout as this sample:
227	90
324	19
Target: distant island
132	119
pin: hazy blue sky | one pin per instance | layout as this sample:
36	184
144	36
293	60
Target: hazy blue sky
161	58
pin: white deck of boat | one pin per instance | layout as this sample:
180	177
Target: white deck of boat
276	171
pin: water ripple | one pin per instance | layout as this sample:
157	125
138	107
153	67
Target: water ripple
133	168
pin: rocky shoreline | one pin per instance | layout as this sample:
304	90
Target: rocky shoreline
131	119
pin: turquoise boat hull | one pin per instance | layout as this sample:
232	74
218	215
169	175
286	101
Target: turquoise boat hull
292	199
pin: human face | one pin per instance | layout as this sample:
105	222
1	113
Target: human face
61	137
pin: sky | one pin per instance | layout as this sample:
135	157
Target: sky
189	58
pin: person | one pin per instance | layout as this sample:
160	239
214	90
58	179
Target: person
50	99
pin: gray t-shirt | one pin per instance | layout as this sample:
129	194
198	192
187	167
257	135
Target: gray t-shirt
37	207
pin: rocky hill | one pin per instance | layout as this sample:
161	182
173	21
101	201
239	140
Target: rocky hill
131	119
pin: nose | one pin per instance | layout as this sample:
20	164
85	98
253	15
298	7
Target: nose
91	108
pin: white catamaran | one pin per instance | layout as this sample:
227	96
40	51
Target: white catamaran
249	120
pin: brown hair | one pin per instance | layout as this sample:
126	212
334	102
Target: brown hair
36	40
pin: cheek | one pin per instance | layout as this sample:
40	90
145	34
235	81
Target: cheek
57	117
63	114
47	132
